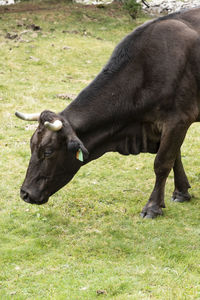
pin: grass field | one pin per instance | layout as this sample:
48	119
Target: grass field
88	241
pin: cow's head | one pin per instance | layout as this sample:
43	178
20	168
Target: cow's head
56	155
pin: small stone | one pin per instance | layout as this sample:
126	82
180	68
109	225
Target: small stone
34	27
11	36
13	293
66	48
84	288
101	292
66	96
25	32
34	58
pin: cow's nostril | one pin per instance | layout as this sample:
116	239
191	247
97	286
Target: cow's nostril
30	197
24	195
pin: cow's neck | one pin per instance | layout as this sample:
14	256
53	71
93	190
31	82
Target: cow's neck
96	116
120	136
102	111
96	105
96	134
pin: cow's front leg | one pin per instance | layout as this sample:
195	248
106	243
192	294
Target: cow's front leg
154	206
181	182
171	141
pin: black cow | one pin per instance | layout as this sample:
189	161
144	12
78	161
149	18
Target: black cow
143	100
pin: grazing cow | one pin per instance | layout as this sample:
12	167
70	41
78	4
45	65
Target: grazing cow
143	100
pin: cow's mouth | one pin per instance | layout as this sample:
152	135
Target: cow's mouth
28	198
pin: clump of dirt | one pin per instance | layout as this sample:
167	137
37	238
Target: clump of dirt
11	36
18	35
24	7
34	27
66	96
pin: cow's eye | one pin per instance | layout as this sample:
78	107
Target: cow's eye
48	152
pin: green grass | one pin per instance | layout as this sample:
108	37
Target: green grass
88	241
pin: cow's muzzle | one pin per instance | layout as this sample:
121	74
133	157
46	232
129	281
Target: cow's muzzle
28	197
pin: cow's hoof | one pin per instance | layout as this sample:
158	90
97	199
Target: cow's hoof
180	197
151	212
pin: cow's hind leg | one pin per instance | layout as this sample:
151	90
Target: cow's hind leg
171	141
181	183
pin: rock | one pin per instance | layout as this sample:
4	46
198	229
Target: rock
13	293
34	27
155	6
7	2
101	292
66	96
66	48
24	32
34	58
168	6
84	288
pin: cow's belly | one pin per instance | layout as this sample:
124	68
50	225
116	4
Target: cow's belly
142	138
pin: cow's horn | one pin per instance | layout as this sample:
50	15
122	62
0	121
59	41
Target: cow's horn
28	117
55	126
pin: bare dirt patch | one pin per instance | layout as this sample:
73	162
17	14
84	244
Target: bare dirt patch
28	7
36	7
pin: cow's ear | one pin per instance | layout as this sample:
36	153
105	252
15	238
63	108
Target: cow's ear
76	146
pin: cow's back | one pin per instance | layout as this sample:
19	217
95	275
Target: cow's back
192	18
